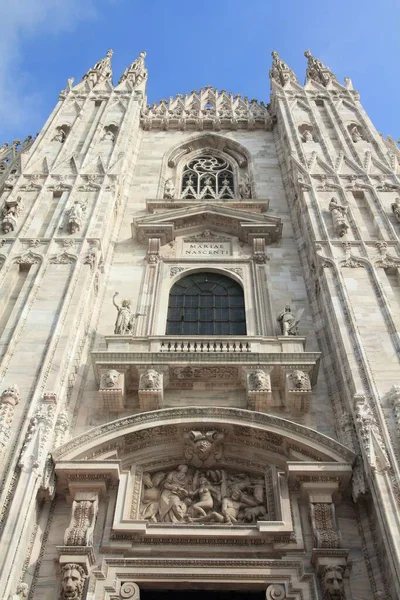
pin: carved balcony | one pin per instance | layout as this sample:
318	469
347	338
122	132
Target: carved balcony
260	365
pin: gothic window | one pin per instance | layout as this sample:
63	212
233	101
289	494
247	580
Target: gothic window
206	304
207	177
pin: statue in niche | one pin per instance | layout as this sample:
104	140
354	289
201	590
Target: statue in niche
109	134
169	190
339	217
61	134
307	136
396	208
125	318
189	495
288	322
245	187
259	381
332	582
11	210
355	134
75	217
150	380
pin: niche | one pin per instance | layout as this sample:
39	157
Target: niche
306	133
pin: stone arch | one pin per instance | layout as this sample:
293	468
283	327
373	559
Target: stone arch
235	153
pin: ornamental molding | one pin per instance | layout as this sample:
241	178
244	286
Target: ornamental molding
116	431
242	224
209	109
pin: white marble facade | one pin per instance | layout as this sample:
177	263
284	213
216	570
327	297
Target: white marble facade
135	459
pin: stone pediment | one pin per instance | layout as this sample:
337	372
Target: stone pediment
207	108
245	225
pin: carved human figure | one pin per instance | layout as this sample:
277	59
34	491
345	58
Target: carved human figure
169	189
332	582
111	379
339	212
72	582
125	318
61	135
307	136
232	504
21	592
245	187
175	489
151	492
11	210
259	381
288	322
396	208
355	134
205	504
109	135
75	217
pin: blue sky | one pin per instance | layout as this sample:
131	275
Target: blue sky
190	44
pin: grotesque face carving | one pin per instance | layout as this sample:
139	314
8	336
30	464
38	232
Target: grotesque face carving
151	380
111	378
332	579
259	381
72	582
299	379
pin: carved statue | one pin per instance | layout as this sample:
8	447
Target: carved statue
125	317
259	381
245	187
332	582
200	446
109	135
307	136
61	135
111	379
169	189
151	495
175	489
340	223
288	322
396	208
21	592
299	380
150	380
72	581
10	212
355	134
75	217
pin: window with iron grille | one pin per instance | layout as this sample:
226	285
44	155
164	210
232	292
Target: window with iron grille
207	177
206	304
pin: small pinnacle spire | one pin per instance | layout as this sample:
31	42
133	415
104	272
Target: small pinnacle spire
136	72
101	70
317	71
280	71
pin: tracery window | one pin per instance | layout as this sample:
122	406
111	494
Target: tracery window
207	177
206	304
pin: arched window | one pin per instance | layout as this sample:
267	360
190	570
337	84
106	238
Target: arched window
207	177
206	304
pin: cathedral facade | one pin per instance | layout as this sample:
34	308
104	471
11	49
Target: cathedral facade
154	443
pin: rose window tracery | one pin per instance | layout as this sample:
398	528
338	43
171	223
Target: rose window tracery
207	177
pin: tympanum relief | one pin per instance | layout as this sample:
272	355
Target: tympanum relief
189	495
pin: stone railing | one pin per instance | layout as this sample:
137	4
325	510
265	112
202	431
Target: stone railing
205	346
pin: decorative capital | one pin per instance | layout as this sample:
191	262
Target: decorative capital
317	71
280	71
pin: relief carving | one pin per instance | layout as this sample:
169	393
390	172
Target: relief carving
332	583
72	581
326	534
259	381
150	380
299	380
187	495
75	215
339	217
83	519
203	447
112	390
245	187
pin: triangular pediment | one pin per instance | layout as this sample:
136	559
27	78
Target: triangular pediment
245	225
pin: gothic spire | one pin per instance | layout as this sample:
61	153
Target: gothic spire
280	71
101	70
317	71
136	72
